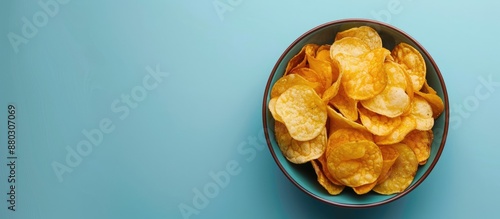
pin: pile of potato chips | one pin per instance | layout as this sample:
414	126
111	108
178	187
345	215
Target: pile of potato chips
361	114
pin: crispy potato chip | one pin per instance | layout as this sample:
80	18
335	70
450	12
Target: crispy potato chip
323	52
347	135
299	151
414	63
364	76
338	121
393	100
332	91
402	173
378	124
420	142
324	166
310	49
427	89
421	111
349	47
435	102
302	111
365	33
360	190
355	164
407	125
271	105
346	105
297	61
389	155
330	187
309	74
288	81
323	69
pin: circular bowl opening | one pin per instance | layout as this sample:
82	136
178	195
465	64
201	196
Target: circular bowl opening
303	175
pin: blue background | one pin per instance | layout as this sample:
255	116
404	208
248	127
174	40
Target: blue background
204	116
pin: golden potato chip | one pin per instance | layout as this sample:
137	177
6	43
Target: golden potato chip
324	167
288	81
433	99
355	164
338	121
349	47
332	91
389	155
322	68
365	33
297	61
309	74
378	124
271	105
393	100
347	135
346	105
302	111
330	187
402	173
407	125
414	63
420	142
299	151
427	89
421	111
364	76
360	190
323	52
310	49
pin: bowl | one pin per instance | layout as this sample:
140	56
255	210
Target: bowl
303	175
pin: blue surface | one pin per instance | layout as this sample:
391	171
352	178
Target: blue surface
192	138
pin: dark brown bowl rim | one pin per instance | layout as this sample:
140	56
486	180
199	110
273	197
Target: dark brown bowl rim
445	113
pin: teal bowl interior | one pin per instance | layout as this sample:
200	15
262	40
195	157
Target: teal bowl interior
303	175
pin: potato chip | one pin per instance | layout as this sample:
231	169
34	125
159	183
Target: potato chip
355	164
421	111
365	33
323	52
288	81
402	173
364	76
332	91
414	63
322	68
389	155
430	95
299	151
407	125
346	105
302	111
324	167
420	142
309	74
349	47
330	187
297	61
347	135
338	121
393	100
378	124
271	105
360	190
